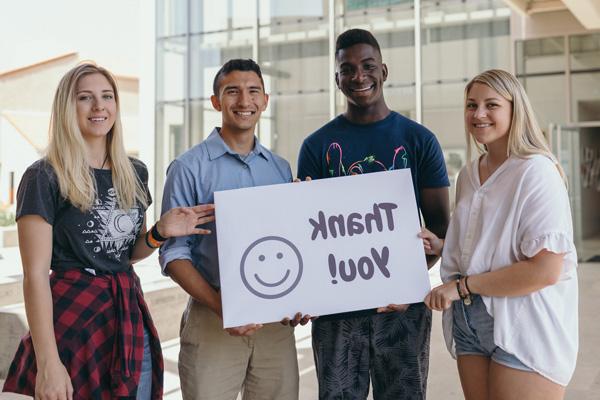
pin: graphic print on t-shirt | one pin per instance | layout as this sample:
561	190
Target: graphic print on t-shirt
112	230
335	164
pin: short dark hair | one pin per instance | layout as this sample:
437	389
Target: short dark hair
355	36
237	64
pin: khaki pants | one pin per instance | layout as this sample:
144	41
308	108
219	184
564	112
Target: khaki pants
215	366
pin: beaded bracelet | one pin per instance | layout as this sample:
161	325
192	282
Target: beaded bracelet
466	298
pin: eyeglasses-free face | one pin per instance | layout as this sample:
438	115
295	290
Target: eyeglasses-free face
488	115
360	75
96	106
241	100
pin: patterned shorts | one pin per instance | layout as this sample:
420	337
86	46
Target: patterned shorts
391	349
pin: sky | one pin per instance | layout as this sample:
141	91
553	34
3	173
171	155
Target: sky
108	32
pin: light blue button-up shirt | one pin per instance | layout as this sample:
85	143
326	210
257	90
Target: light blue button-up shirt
195	176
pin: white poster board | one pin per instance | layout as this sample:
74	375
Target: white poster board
320	247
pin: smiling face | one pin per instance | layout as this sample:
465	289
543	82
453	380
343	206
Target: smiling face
271	267
487	115
360	75
96	106
241	99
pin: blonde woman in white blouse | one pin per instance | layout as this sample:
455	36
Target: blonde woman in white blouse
508	261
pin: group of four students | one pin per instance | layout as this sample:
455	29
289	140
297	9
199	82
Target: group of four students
508	259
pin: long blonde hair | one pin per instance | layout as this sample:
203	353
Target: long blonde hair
525	138
67	148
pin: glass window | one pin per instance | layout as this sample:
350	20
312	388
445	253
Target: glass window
353	5
171	17
294	57
294	47
203	119
296	68
398	54
468	33
460	39
170	127
540	56
279	15
209	52
220	16
391	21
585	52
547	96
170	69
289	119
443	112
401	98
443	115
585	92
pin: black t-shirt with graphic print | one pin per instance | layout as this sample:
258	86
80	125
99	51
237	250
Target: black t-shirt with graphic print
100	239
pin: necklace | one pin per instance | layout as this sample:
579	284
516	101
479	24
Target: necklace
104	162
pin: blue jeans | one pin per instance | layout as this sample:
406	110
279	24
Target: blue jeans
473	333
145	387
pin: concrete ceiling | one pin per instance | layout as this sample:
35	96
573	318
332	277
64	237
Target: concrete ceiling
587	12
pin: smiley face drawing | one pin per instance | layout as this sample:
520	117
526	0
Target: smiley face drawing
271	267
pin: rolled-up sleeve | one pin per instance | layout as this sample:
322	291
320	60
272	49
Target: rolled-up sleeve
179	191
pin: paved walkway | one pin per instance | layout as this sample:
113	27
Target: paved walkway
443	377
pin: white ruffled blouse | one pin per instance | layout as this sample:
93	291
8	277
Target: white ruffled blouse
520	210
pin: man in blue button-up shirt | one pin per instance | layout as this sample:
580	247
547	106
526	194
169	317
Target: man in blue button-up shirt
216	363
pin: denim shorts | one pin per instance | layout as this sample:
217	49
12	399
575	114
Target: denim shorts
473	332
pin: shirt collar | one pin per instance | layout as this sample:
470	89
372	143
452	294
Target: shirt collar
217	147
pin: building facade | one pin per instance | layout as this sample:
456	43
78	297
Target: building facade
432	48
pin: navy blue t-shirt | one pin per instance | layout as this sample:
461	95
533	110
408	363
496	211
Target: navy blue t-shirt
342	148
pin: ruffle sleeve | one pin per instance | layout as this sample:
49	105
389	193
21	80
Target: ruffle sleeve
545	217
555	242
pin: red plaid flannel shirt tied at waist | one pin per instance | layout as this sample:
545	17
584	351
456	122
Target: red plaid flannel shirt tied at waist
106	314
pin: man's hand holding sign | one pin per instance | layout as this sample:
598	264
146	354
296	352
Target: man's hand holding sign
323	247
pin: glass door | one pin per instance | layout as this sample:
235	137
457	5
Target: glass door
565	145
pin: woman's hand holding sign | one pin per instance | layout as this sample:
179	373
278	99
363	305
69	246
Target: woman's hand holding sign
433	245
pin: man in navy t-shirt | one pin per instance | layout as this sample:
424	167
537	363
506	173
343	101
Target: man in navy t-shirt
389	345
